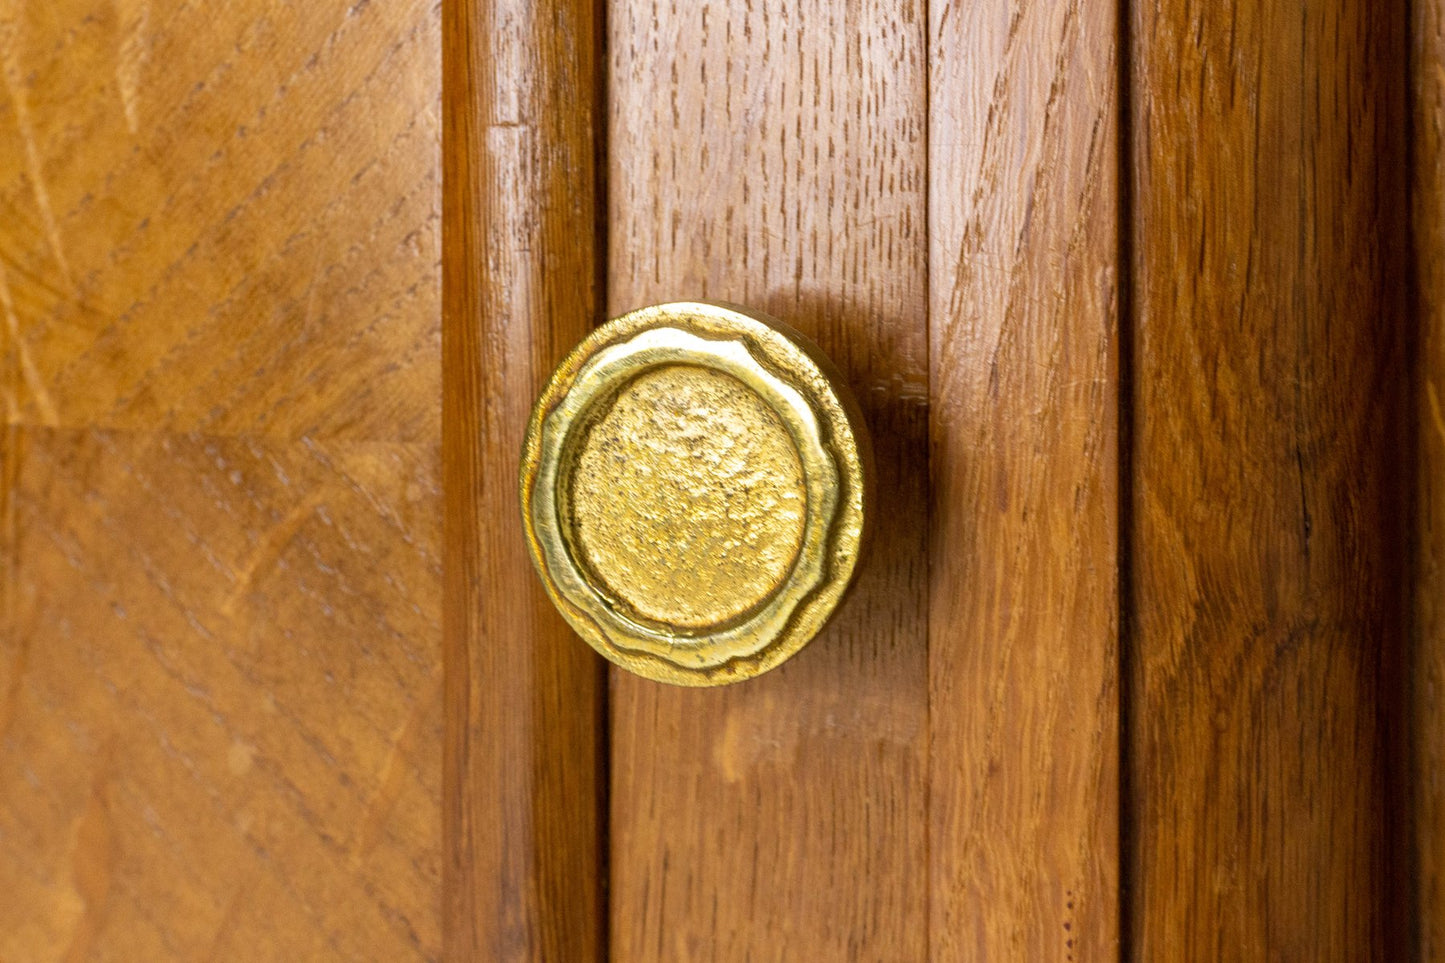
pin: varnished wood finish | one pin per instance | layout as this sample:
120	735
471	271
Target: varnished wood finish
1428	665
773	154
1024	599
226	555
220	715
524	722
1269	494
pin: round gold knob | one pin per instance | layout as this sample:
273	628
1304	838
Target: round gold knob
694	483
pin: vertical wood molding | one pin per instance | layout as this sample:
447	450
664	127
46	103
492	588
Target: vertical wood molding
773	154
1428	665
524	717
1270	484
1024	391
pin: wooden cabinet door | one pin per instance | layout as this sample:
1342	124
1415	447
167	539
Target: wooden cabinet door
1142	303
1126	292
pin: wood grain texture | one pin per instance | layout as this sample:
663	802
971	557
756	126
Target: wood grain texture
1428	664
1269	402
220	672
1023	627
773	154
525	723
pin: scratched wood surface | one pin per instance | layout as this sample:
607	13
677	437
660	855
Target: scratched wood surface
220	491
773	154
1269	495
525	782
1428	665
1023	624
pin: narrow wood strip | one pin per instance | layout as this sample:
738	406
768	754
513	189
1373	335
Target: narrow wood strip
1024	591
1428	675
524	720
1271	494
773	154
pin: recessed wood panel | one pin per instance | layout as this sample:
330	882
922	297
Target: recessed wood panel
1427	772
1270	488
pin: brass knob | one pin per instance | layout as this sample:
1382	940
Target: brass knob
694	488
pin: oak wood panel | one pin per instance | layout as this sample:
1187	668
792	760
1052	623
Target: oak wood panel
1428	663
773	154
222	729
1023	241
220	725
525	723
1268	404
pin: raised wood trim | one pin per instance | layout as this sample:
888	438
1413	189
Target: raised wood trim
525	722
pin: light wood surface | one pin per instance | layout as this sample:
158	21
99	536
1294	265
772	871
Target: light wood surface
1023	641
1428	664
1270	478
525	722
220	662
773	154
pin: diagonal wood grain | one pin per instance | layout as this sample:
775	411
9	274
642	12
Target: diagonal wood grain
773	154
245	259
1023	627
220	731
1269	497
525	724
220	587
